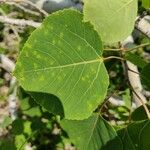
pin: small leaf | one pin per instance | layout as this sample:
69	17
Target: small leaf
135	59
20	141
7	144
17	126
29	107
64	58
139	113
127	99
6	122
93	133
136	136
113	19
50	102
33	112
145	75
146	3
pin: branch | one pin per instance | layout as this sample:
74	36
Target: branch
12	99
6	63
134	78
141	100
144	26
35	6
19	22
26	2
9	66
135	82
23	8
119	102
113	57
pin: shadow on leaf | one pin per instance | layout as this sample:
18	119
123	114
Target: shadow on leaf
50	102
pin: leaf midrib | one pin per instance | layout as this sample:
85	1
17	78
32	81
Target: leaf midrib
94	125
100	59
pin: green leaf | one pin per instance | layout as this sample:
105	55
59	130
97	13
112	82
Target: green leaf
20	141
6	122
145	75
32	112
7	144
127	98
93	133
136	59
64	58
139	113
50	102
1	81
17	126
2	50
136	136
113	19
29	107
146	3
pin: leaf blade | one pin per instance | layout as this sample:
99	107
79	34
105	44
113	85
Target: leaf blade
92	133
66	62
114	20
136	135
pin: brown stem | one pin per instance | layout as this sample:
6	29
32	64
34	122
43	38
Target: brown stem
113	57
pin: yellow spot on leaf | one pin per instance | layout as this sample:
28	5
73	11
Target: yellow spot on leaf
35	66
89	105
42	78
19	64
61	34
59	42
79	48
51	62
93	71
50	27
26	54
59	78
28	45
53	74
87	76
35	53
22	78
45	33
38	56
60	52
54	42
83	78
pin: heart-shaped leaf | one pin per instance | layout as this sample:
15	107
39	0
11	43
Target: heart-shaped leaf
63	57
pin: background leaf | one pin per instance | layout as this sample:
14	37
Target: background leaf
6	122
146	4
50	102
60	58
114	20
145	75
6	144
135	59
93	133
136	136
17	126
139	113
